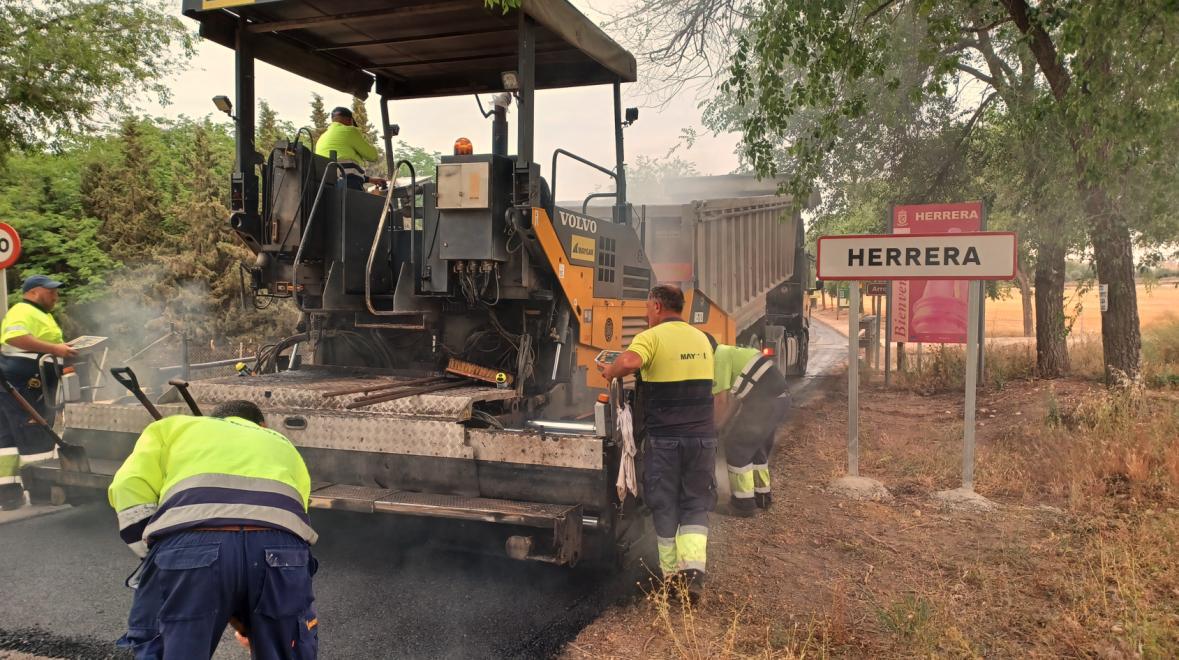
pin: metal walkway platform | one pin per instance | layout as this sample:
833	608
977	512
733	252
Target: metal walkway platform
563	522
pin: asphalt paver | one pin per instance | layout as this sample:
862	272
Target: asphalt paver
385	589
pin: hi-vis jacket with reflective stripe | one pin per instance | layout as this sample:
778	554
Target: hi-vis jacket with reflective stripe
28	318
199	471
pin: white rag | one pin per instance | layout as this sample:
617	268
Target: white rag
627	481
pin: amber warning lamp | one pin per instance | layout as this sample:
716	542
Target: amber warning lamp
462	147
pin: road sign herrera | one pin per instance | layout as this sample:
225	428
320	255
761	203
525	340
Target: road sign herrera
965	256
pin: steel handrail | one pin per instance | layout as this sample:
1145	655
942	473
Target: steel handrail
584	161
310	221
372	251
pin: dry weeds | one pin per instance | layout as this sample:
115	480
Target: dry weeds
1082	560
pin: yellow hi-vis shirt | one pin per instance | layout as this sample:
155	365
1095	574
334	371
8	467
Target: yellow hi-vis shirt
206	471
730	360
23	319
676	376
348	143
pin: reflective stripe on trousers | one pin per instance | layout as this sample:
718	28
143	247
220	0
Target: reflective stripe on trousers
761	478
691	546
669	561
741	481
9	465
679	486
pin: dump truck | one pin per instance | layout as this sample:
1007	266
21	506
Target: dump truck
443	364
740	242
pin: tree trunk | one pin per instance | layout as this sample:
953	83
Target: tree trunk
1121	337
1025	295
1051	338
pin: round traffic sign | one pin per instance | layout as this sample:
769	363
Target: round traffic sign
9	245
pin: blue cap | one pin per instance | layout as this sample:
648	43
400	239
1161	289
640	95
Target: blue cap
34	281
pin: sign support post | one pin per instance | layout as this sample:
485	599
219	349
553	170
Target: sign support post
966	257
853	379
972	364
888	334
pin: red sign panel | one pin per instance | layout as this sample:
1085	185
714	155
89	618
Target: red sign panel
932	311
9	245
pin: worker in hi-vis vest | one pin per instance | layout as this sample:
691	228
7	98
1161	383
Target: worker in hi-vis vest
217	508
351	147
674	396
28	334
751	402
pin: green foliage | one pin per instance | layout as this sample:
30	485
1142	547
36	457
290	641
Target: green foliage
66	65
360	120
425	163
504	5
270	129
125	196
319	117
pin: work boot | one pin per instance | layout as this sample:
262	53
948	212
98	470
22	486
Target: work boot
692	582
763	500
12	497
742	507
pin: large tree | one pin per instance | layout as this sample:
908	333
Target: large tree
1110	69
66	66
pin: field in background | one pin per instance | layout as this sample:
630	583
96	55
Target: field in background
1005	316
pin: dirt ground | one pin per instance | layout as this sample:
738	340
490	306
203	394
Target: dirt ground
1050	573
1005	315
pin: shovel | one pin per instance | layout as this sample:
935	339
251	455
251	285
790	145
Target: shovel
127	379
73	457
181	386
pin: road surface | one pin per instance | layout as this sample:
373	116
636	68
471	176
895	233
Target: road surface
379	593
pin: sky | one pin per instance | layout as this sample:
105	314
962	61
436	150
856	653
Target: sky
578	120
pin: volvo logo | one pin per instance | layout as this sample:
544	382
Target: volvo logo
578	221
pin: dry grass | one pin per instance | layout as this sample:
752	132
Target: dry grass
942	368
1082	560
1005	315
730	631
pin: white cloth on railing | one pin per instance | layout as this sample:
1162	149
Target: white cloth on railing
627	481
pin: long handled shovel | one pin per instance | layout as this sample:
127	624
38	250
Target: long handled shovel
127	379
73	457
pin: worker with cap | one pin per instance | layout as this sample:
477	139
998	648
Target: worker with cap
217	508
28	334
674	398
351	148
751	401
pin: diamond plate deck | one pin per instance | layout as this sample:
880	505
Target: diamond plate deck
304	388
348	498
376	432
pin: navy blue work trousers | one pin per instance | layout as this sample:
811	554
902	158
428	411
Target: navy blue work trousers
192	582
679	481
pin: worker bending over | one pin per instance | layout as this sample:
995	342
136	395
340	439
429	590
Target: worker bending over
217	507
351	148
674	361
28	333
751	402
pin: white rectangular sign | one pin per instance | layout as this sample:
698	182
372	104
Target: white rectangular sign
964	256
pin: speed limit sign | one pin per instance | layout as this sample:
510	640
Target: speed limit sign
9	245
